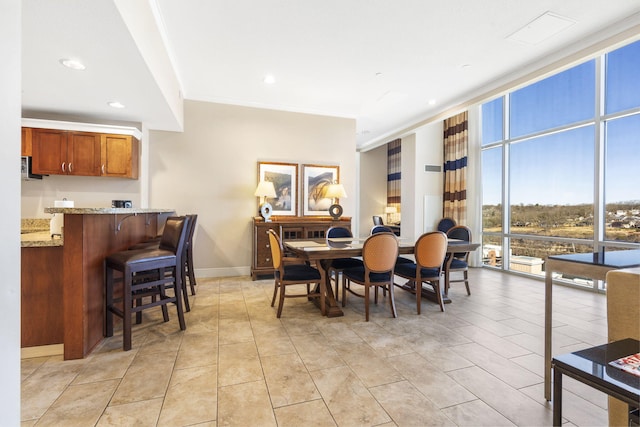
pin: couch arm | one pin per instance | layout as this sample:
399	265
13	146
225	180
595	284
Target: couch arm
623	321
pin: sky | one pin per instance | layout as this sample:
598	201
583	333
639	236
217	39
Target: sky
560	168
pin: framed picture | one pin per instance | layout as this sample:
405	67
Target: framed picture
284	177
315	180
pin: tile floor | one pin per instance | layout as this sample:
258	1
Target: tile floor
478	363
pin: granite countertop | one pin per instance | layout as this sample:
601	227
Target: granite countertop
35	232
106	211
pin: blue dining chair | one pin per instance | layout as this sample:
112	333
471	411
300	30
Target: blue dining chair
338	265
459	261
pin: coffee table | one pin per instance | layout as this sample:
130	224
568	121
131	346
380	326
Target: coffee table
591	367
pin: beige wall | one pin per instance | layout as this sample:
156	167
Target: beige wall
211	169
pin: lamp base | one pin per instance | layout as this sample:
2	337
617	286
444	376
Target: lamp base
265	211
335	211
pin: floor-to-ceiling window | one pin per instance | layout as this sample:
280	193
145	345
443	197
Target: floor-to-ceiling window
560	161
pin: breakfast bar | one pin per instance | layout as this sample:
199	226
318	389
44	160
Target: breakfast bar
89	235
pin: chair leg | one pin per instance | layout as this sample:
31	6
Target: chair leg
344	290
466	282
323	291
192	275
185	293
178	292
418	288
392	301
281	300
108	302
366	302
126	311
438	291
275	291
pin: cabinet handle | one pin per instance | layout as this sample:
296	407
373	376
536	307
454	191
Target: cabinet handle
63	168
70	167
103	169
267	245
267	259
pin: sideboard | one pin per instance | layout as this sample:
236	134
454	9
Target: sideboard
288	228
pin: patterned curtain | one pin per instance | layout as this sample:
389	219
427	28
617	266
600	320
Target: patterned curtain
394	153
456	137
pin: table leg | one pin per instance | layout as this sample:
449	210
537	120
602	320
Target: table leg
331	305
548	282
557	397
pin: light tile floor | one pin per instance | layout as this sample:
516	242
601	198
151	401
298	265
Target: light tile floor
478	363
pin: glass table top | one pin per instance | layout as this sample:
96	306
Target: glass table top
616	259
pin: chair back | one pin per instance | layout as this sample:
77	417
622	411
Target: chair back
445	224
377	220
431	250
460	232
174	235
380	229
334	232
380	252
193	218
276	249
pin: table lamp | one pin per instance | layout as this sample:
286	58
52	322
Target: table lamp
335	191
265	189
389	210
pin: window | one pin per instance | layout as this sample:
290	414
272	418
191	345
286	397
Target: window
548	201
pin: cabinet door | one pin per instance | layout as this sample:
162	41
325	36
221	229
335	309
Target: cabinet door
49	152
27	142
83	154
263	246
120	156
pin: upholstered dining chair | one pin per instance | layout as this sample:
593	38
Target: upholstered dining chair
146	273
430	251
377	220
459	261
445	224
286	274
338	265
379	254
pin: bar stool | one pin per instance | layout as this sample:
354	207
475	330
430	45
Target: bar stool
187	270
147	273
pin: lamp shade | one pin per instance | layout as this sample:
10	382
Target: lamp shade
336	191
390	210
265	189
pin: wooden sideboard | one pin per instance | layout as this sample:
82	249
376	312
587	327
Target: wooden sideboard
288	228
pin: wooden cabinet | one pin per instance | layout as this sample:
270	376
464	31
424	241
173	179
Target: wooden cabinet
61	152
119	156
288	228
27	142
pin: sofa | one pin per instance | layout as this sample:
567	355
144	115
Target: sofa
623	321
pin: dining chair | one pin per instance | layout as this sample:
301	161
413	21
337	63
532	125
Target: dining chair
146	273
379	254
377	220
338	265
430	251
287	273
459	261
445	224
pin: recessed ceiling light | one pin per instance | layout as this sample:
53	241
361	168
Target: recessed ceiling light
269	79
115	104
73	64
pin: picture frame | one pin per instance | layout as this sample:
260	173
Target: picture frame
285	181
315	179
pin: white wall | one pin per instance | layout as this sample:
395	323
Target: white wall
373	187
428	185
411	221
211	169
10	107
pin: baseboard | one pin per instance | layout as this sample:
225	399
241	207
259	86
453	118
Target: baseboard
222	272
42	351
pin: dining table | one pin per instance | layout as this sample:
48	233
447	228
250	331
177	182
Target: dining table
322	251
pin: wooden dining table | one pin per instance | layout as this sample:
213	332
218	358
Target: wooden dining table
321	252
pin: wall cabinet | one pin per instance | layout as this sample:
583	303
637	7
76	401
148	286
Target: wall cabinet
288	228
62	152
27	142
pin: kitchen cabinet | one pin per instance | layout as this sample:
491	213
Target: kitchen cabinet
27	142
288	228
59	152
119	156
63	152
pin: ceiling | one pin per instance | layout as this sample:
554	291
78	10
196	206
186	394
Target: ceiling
387	64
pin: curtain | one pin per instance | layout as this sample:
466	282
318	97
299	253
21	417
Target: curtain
394	152
456	139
